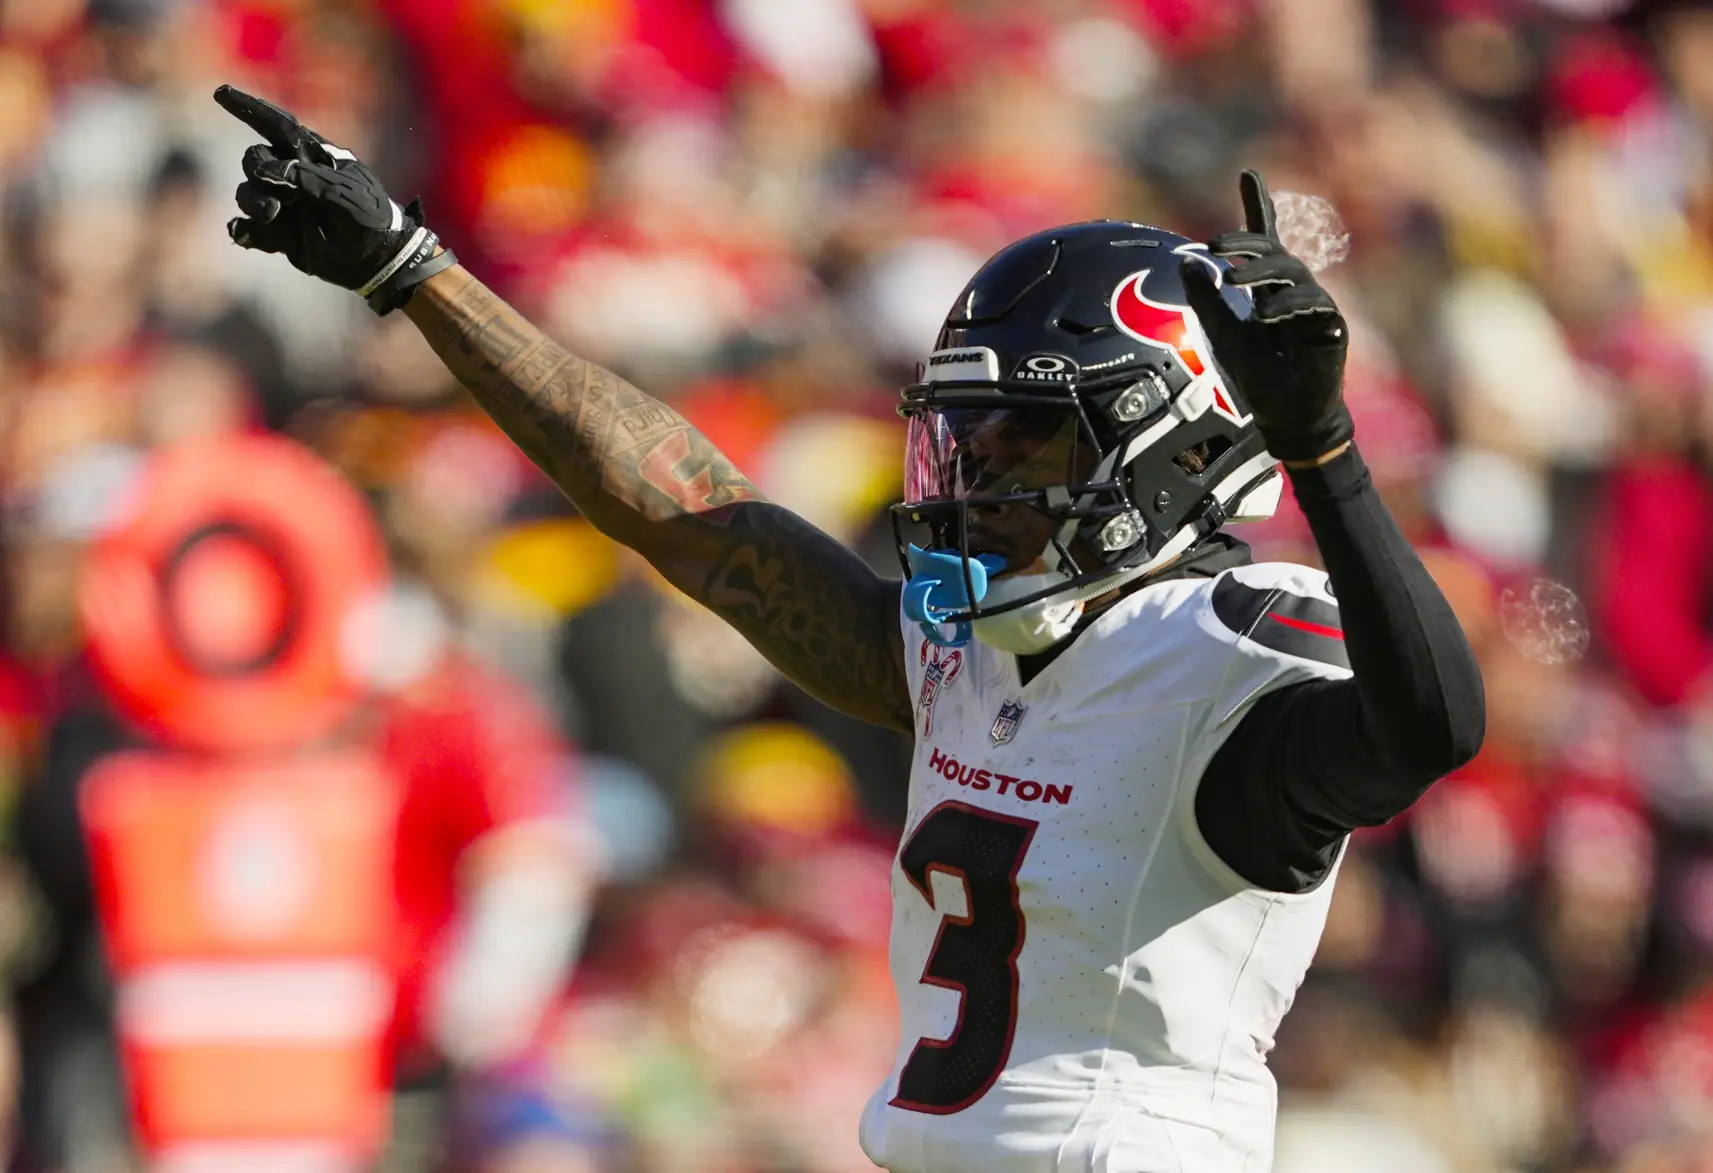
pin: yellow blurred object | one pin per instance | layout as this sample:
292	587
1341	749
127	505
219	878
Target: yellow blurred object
776	775
1478	242
1673	265
878	478
580	19
553	568
869	457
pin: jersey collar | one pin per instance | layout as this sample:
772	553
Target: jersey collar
1209	558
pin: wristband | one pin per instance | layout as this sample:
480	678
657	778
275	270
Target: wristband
421	264
414	245
1339	479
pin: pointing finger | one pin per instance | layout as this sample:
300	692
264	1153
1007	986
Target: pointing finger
1258	211
283	131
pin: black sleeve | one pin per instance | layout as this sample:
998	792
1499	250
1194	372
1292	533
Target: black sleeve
1311	762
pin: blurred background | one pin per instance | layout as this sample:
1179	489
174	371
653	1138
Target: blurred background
362	807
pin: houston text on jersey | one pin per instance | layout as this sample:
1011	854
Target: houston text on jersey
1023	789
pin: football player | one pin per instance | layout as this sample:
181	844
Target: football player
1138	755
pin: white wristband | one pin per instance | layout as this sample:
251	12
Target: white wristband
394	265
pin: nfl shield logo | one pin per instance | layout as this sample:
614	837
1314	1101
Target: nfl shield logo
1005	725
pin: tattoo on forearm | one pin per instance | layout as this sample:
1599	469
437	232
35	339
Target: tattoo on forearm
639	471
786	585
691	481
618	453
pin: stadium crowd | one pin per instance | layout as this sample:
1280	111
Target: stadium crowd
760	210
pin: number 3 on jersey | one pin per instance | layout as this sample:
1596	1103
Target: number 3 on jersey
974	954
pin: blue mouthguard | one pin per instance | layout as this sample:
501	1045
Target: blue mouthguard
936	589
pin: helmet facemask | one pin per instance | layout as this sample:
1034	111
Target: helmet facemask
998	464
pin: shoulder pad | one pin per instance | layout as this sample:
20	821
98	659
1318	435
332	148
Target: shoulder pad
1282	617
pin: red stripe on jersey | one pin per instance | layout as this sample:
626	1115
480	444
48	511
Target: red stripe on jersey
1305	625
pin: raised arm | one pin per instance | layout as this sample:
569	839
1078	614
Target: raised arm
1313	761
630	463
646	478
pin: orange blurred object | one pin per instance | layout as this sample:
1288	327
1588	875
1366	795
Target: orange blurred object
535	187
216	611
735	416
231	598
247	912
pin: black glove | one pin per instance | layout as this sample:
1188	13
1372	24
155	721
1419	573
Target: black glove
1287	357
326	212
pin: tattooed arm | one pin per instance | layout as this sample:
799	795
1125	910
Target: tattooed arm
646	478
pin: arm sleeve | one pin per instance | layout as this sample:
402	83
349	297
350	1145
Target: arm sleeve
1311	762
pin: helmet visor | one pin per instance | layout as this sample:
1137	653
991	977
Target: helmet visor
959	453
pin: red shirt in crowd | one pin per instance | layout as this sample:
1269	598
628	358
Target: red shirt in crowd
1653	575
472	752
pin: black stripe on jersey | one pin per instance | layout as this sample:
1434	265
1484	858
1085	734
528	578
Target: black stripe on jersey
1275	618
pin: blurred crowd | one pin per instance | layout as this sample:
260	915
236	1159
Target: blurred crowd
759	210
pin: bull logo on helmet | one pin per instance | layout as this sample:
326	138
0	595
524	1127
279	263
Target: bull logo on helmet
1174	328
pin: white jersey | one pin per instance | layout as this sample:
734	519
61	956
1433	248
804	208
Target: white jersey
1085	986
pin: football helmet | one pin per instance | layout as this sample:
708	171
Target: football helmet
1070	433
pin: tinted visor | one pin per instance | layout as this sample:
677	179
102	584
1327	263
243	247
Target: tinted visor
956	453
